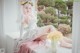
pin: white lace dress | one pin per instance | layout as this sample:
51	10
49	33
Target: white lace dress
31	29
30	34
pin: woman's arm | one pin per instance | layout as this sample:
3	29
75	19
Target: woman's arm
41	37
24	22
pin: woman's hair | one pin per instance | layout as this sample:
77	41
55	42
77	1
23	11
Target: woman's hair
26	2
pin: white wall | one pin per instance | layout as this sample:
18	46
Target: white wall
10	16
76	27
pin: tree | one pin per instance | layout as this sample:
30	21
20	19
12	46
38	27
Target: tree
63	12
50	10
61	6
47	19
69	4
46	2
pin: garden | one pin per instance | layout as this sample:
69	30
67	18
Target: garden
57	13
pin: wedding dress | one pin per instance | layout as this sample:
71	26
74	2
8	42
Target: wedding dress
31	29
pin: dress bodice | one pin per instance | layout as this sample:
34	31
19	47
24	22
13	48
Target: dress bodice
31	27
32	24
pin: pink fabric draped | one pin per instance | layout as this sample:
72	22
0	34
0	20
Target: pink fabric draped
27	47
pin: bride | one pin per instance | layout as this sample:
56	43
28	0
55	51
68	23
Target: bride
30	21
33	32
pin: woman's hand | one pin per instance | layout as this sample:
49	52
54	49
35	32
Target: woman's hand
42	37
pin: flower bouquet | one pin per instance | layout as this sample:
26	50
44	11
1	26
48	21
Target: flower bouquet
54	36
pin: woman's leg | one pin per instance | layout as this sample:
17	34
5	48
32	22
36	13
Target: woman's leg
66	42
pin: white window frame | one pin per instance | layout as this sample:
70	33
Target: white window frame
76	27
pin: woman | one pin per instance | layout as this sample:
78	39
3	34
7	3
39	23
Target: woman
35	35
30	21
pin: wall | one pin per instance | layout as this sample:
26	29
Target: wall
10	16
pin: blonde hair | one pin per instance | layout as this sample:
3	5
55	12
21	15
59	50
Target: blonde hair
26	2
